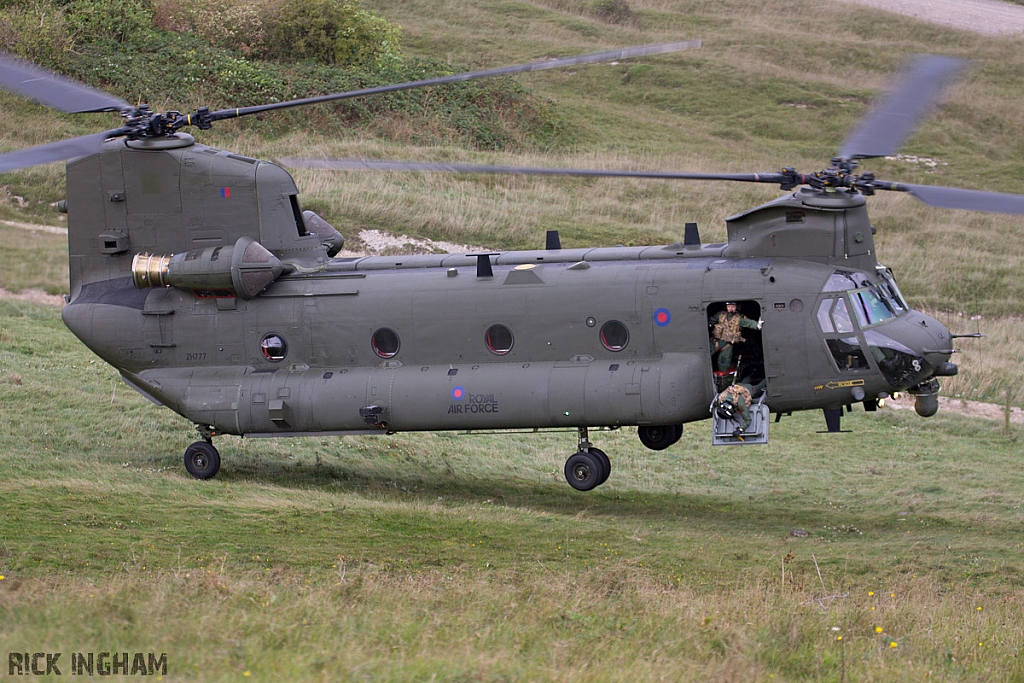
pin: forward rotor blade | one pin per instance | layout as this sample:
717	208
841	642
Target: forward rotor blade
427	167
609	55
916	91
52	90
957	198
55	151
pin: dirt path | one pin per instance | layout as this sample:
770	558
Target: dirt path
988	17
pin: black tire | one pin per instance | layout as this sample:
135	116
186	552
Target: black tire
679	434
606	463
202	460
659	437
583	471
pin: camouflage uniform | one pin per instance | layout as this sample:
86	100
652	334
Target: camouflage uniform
725	334
739	396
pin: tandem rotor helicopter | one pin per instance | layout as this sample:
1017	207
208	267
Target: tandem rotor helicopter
198	276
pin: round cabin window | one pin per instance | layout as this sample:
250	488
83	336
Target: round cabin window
274	347
498	339
614	335
385	342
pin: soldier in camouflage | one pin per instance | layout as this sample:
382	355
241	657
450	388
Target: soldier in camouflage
734	404
725	333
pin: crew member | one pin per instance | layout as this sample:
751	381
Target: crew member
725	333
734	404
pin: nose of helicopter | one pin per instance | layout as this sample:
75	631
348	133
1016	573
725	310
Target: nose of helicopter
912	350
933	341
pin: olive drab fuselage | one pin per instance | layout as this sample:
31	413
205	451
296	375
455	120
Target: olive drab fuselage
195	273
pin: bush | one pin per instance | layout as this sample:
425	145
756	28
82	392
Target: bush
178	70
124	21
39	33
613	11
335	32
230	24
181	72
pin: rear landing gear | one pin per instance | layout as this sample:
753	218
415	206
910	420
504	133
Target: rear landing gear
202	460
588	467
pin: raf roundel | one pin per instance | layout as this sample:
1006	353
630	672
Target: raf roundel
458	393
662	317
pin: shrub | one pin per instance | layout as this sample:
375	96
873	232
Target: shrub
231	24
335	32
613	11
181	71
124	21
38	32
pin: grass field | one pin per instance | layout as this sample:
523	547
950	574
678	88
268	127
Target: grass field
892	552
447	557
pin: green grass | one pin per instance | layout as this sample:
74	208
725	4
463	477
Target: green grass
33	259
469	558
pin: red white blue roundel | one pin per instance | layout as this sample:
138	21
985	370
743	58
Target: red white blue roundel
458	393
662	317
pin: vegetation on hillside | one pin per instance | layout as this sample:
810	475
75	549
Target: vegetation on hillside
230	53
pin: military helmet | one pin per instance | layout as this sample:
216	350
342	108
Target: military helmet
726	410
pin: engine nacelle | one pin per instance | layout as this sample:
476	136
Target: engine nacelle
246	268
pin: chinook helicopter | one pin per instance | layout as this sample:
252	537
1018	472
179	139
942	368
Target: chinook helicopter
198	276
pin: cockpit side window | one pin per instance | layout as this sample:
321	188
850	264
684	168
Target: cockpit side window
847	353
839	314
834	320
824	321
842	316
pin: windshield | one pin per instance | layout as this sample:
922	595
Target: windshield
872	306
874	300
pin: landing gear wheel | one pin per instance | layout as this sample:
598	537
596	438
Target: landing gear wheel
202	460
584	471
659	437
606	463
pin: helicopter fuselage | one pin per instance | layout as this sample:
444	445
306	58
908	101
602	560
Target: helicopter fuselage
197	276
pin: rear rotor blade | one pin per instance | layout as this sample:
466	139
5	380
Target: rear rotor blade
608	55
52	90
921	84
429	167
55	151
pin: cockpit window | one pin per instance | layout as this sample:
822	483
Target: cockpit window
824	321
872	303
839	281
847	353
842	317
892	293
872	306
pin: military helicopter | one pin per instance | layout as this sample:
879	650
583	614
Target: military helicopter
198	276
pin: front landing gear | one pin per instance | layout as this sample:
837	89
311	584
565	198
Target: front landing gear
588	467
202	460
